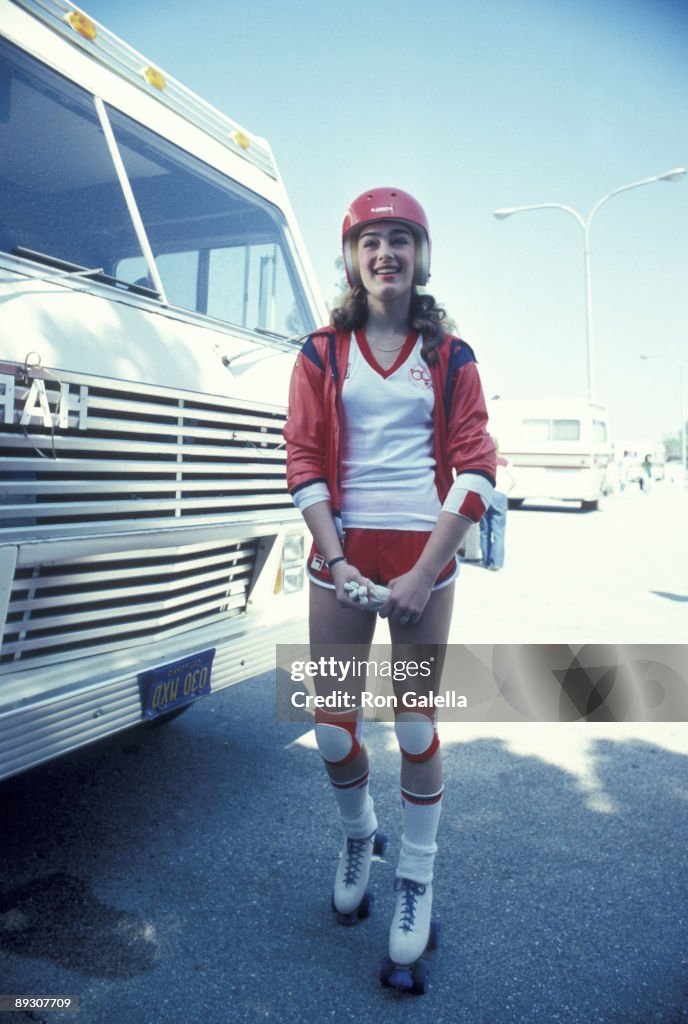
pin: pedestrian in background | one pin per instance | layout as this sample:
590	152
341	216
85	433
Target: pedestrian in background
390	461
645	479
493	523
470	550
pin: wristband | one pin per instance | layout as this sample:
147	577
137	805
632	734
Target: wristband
469	496
333	561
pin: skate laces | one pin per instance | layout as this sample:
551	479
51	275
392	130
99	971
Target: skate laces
355	855
410	892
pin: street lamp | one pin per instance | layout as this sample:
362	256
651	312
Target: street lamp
585	224
671	359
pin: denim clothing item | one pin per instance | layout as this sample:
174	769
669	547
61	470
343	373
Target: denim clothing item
492	528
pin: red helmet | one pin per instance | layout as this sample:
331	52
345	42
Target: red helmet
386	204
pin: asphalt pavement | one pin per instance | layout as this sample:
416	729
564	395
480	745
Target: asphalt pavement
617	575
183	874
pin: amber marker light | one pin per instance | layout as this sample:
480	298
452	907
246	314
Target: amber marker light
242	140
81	24
154	77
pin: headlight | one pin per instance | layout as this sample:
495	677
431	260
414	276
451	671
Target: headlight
290	575
292	580
293	548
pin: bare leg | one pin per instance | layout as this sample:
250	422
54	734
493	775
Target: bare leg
426	639
347	634
421	773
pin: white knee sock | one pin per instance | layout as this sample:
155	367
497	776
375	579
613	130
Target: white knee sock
356	808
420	815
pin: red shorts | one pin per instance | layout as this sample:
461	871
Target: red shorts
380	556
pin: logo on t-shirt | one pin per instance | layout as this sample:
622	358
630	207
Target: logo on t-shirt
420	376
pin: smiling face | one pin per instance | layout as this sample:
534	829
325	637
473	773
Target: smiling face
386	252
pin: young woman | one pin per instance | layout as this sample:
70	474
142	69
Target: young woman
389	460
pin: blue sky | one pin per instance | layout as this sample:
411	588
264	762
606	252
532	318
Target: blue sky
471	107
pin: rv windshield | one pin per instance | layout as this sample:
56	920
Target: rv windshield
59	193
219	248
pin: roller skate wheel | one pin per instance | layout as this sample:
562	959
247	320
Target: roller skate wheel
379	844
348	920
386	968
401	979
421	973
366	905
393	976
413	979
359	913
344	918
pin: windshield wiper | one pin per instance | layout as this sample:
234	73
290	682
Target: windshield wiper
288	339
271	334
75	270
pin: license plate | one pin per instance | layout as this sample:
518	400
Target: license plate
172	686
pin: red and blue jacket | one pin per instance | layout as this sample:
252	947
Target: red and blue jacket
313	431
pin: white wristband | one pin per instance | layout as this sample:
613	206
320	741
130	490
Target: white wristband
469	496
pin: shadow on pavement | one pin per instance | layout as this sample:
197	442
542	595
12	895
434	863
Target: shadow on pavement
566	912
219	834
56	917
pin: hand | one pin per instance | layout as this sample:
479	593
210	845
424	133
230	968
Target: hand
409	595
373	596
343	573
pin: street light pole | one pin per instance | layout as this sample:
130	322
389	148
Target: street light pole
585	224
671	359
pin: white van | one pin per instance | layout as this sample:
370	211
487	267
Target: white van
153	287
558	448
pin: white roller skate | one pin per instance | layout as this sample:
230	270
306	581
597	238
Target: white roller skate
351	899
412	932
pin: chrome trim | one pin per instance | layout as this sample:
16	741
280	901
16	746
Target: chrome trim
52	725
108	455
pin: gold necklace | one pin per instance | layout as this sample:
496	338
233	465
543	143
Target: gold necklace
377	348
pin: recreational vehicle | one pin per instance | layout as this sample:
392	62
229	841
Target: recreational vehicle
153	287
558	448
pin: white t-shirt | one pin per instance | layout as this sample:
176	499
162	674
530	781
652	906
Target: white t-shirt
388	461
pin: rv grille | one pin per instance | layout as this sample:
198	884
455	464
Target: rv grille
103	603
94	454
79	457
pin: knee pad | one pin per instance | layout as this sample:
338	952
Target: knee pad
416	735
338	736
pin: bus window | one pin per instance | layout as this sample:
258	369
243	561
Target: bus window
536	430
566	430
